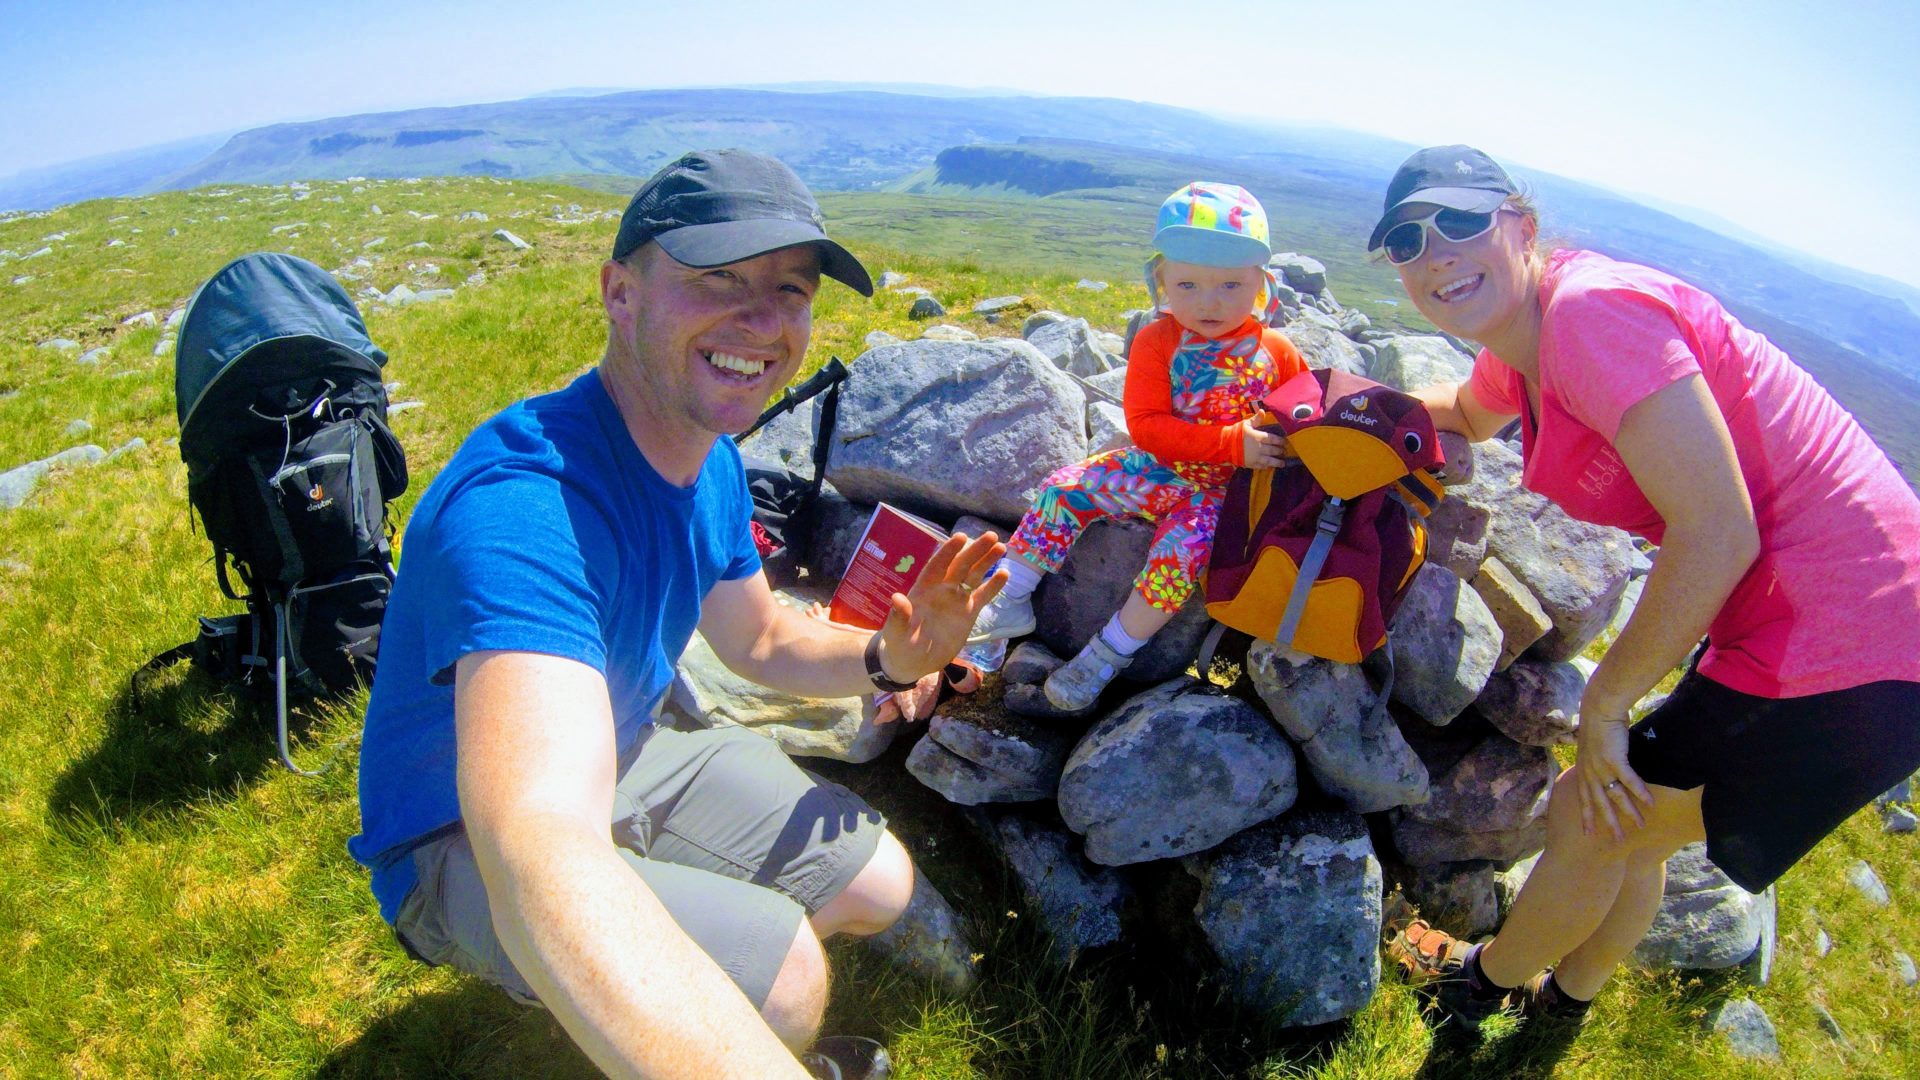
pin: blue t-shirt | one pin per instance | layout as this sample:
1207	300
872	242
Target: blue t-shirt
548	532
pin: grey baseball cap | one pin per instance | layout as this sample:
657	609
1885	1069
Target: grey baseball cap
714	207
1457	177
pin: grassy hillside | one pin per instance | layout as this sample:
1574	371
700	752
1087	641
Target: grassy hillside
174	904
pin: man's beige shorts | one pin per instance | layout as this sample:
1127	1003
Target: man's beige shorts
737	842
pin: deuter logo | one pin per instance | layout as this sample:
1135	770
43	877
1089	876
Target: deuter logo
1356	412
317	499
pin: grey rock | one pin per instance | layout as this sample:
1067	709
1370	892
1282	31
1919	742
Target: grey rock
1292	909
707	693
1535	702
1862	877
1904	969
1822	944
1411	363
788	438
74	456
1112	344
945	332
1459	896
1444	643
1090	285
132	445
1828	1024
1491	805
60	344
960	781
890	279
94	356
877	338
399	407
1705	920
77	428
1073	603
1629	601
1459	456
1080	903
837	527
1575	570
428	296
926	308
1508	883
472	215
1745	1026
507	237
1039	319
1313	316
1354	322
17	484
930	941
946	428
1021	757
1106	427
1112	382
1521	619
1334	715
1898	819
998	305
1457	537
176	317
1174	771
1069	345
1325	347
1300	272
163	346
1030	663
400	295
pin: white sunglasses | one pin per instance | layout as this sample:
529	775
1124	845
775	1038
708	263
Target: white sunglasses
1407	241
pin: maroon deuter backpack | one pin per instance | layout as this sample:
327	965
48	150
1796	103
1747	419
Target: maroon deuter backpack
1316	554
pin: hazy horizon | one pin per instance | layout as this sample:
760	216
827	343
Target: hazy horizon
1798	125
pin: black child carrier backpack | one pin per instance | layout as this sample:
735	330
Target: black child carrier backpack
290	466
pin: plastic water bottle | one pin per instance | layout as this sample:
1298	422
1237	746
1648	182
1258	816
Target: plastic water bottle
986	655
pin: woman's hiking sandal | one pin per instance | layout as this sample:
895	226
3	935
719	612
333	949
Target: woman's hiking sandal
1435	961
1539	999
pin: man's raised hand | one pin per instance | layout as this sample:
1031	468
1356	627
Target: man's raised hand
928	624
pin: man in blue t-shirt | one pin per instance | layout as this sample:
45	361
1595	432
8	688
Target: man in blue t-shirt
551	576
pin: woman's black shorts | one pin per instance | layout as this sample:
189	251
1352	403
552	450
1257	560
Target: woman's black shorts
1779	773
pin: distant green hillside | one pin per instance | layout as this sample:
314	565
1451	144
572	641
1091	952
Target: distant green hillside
1327	216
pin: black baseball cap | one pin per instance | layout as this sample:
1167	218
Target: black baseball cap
714	207
1457	177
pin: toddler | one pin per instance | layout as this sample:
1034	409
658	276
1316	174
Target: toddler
1195	377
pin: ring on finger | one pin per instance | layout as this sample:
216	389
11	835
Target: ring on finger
1611	784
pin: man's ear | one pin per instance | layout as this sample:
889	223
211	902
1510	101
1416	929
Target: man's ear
619	290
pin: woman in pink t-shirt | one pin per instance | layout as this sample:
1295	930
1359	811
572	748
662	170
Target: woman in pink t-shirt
1786	538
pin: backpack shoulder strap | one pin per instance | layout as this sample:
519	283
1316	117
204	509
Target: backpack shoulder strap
1325	529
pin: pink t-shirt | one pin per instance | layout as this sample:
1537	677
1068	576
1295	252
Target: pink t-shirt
1833	600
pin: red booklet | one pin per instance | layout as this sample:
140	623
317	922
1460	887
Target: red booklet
892	551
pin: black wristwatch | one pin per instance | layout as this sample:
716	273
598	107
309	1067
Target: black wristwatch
879	674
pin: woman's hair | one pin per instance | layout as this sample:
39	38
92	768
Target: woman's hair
1522	201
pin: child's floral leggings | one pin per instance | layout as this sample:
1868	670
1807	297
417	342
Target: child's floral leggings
1183	501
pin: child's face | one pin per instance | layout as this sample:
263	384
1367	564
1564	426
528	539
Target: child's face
1209	300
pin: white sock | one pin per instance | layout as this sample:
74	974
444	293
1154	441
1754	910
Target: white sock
1118	639
1022	577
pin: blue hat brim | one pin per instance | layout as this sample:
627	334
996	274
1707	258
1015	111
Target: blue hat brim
1211	247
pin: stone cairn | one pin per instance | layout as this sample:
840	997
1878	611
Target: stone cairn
1271	816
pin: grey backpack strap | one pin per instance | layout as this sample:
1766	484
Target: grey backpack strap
1204	662
1324	530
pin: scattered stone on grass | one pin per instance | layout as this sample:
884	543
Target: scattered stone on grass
998	305
507	237
1861	875
926	308
1747	1029
929	940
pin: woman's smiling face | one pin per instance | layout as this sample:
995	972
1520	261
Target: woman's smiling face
1474	288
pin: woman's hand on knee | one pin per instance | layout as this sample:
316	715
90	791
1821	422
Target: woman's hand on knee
1610	791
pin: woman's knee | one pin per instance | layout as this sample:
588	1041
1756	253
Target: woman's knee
1670	822
798	998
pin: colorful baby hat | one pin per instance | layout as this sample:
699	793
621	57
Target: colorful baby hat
1213	225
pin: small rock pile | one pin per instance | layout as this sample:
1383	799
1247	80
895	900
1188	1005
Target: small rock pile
1275	811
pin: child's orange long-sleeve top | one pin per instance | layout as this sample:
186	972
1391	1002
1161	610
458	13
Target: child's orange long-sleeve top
1190	401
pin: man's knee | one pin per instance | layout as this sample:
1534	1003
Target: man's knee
798	998
875	898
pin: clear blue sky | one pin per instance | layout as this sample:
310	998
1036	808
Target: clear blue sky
1798	121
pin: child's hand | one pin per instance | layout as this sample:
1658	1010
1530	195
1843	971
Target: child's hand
1262	449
